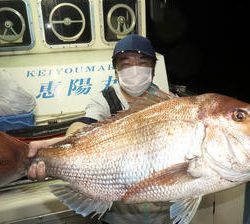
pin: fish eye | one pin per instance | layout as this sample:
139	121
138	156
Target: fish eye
239	115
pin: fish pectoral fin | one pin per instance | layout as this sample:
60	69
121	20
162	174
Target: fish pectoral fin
165	177
78	202
197	167
183	210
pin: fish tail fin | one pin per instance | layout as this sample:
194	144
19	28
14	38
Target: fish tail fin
13	154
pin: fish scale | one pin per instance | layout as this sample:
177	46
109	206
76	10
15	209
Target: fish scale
149	142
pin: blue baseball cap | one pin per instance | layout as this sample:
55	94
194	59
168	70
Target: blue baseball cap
134	42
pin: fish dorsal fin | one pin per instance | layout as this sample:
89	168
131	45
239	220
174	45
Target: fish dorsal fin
183	210
78	202
136	105
140	103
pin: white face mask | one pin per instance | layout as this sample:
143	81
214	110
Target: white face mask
135	80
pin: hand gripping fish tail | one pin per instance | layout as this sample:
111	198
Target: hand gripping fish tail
175	150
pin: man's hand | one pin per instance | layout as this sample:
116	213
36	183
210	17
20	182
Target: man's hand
37	170
74	128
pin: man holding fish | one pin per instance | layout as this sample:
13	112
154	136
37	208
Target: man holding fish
134	61
175	150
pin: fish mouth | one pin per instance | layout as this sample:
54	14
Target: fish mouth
226	172
239	150
238	169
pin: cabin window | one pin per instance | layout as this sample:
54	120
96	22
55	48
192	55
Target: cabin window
120	18
66	23
16	33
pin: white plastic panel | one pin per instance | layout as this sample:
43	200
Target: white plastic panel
65	84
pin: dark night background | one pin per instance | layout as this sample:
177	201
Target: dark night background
204	43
